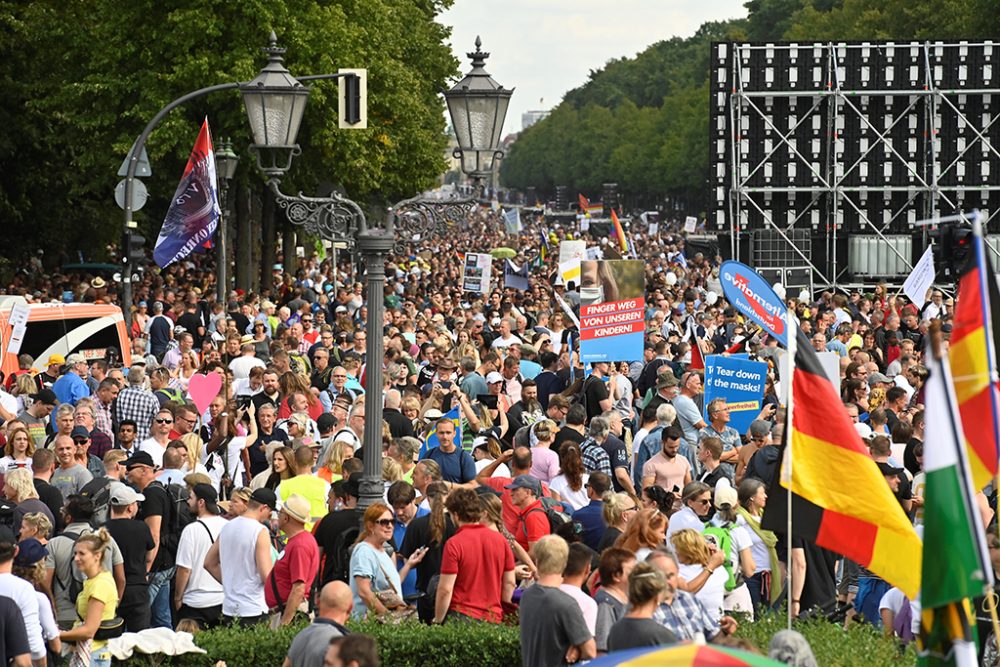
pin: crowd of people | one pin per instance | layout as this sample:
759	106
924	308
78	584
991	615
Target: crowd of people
606	505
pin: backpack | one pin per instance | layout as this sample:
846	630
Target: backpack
74	586
172	395
580	398
724	542
555	512
99	493
341	555
180	517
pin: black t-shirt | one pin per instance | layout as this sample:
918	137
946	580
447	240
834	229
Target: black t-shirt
618	456
548	383
418	534
53	499
134	539
629	633
909	458
157	503
241	320
258	459
329	528
566	434
159	334
191	322
595	391
14	635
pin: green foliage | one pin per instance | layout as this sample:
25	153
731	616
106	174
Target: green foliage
407	645
831	644
643	122
82	79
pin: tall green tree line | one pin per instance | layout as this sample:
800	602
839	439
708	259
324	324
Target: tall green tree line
643	122
81	80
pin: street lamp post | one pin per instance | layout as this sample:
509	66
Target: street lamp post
226	162
477	105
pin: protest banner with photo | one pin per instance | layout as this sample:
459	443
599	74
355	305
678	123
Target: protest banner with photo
612	310
514	276
740	382
690	224
476	272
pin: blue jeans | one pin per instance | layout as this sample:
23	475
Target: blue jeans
159	598
870	592
101	658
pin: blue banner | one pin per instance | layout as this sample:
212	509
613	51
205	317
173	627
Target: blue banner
750	294
514	276
741	383
193	215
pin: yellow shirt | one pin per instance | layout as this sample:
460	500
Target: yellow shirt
103	588
310	487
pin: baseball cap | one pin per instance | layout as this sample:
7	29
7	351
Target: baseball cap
759	428
79	432
207	493
864	430
526	482
297	507
340	309
75	358
122	494
433	414
56	359
492	377
887	469
725	494
46	396
265	497
29	552
877	377
140	459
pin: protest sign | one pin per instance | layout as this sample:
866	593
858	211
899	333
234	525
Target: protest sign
476	272
830	361
18	321
569	272
690	224
740	382
514	276
752	296
920	279
612	310
572	250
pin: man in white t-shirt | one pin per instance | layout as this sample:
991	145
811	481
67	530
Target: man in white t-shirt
197	596
159	436
506	338
241	561
241	365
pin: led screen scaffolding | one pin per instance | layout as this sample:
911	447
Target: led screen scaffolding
826	155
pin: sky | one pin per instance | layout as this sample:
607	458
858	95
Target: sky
544	48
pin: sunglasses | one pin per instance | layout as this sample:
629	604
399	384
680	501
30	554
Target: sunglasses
81	441
703	502
385	523
634	508
163	421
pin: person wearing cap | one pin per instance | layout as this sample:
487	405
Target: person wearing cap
136	543
292	576
36	417
240	560
666	387
53	365
197	596
759	432
532	521
81	438
72	385
761	465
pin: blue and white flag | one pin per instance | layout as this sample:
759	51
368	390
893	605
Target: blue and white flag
193	215
514	276
431	441
512	221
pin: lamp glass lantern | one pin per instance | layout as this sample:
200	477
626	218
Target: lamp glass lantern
275	101
226	161
478	105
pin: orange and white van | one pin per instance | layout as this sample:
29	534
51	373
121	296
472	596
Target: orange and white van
63	328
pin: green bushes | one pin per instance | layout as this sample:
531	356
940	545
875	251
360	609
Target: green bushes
415	645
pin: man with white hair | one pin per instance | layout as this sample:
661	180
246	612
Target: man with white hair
652	443
399	425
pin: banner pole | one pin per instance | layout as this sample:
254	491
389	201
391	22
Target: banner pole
787	463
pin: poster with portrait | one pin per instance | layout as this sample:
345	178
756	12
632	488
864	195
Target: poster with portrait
476	272
612	310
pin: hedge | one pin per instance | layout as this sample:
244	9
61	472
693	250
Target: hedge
416	645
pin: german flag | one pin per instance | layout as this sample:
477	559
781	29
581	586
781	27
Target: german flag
973	362
841	501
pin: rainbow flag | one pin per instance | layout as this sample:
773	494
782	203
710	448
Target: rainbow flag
618	233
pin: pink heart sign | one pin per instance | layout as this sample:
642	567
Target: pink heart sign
203	388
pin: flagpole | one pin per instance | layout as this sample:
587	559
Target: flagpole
786	472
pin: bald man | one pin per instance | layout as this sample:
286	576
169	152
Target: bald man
309	646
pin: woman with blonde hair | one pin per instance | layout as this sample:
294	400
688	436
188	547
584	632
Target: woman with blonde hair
23	388
410	407
644	533
96	603
391	471
35	525
544	461
333	467
700	570
193	448
19	488
618	510
18	451
467	348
